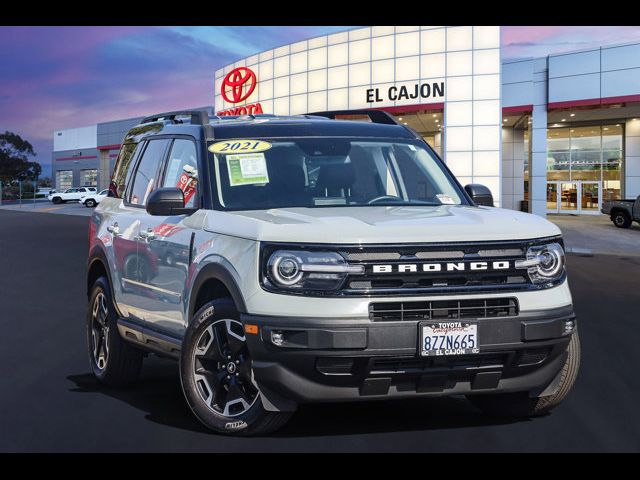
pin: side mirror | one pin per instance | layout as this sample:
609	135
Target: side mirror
480	194
166	201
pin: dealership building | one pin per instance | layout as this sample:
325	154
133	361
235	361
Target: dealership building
557	134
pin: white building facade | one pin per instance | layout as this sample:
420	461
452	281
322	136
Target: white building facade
442	81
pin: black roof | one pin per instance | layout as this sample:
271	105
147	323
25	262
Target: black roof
268	126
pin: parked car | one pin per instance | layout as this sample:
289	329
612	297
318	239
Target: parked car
45	191
320	260
70	194
90	200
622	212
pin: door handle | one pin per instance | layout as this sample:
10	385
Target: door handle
114	229
147	234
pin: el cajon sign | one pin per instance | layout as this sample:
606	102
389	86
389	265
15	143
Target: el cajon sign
236	87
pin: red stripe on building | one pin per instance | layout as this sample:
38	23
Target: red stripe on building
430	107
593	102
110	147
85	157
517	109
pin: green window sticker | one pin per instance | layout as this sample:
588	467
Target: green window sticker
247	169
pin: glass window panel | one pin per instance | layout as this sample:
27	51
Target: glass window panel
558	161
558	139
338	54
612	137
585	138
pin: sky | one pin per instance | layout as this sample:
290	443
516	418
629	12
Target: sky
52	78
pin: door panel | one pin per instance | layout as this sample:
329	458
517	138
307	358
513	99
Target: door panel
552	197
568	197
590	197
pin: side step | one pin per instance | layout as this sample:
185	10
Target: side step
148	339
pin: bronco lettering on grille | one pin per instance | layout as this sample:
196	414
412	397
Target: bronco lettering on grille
442	267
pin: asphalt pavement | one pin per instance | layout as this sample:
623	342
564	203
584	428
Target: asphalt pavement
50	402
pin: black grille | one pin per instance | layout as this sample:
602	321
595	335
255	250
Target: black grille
447	278
443	309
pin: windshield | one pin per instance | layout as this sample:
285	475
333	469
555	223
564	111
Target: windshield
328	172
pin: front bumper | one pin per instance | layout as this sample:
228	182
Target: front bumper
344	360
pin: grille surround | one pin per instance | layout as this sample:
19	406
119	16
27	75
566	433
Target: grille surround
421	283
443	309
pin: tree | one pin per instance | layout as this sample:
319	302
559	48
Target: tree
14	159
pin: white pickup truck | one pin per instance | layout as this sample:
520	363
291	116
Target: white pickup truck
71	194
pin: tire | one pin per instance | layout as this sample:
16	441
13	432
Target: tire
520	405
215	361
114	362
56	200
621	219
90	203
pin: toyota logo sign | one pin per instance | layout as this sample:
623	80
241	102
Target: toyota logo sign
240	83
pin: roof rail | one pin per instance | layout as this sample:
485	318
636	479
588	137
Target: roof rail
198	117
376	116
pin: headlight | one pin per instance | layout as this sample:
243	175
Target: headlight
308	270
544	263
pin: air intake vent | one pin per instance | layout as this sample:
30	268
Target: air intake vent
443	309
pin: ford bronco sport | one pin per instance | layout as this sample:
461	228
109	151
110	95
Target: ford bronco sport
292	259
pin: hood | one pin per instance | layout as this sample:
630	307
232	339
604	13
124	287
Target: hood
377	224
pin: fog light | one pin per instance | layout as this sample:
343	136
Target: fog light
569	325
277	338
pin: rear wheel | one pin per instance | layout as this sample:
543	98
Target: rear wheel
519	404
621	219
113	361
216	374
90	203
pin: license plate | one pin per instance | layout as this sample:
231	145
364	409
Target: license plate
449	338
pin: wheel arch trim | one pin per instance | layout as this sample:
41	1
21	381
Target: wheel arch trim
215	271
98	254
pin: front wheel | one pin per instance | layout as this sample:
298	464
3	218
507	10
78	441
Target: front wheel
519	404
216	374
56	200
621	219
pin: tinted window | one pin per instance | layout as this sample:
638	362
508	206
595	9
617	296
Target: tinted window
182	170
145	175
121	172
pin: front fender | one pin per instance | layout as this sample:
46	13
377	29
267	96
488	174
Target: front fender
217	268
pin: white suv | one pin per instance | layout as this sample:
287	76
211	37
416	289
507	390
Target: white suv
90	200
288	260
70	194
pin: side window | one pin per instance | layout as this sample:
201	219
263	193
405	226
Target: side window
145	176
122	170
182	170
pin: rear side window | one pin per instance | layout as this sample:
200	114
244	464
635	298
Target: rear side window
146	173
182	170
122	170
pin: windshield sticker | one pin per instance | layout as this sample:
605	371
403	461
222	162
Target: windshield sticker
247	169
239	146
445	199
